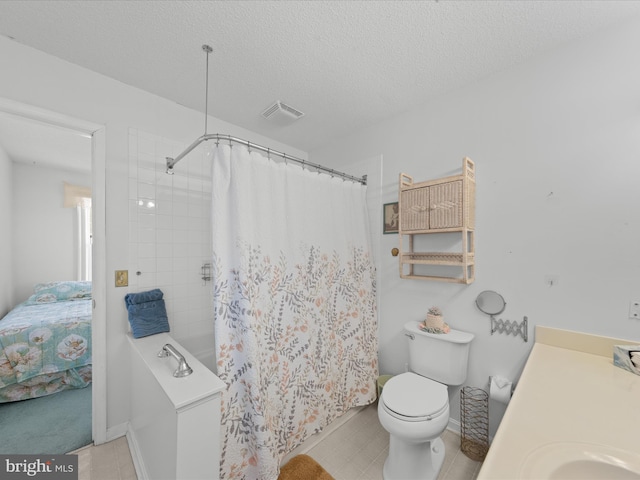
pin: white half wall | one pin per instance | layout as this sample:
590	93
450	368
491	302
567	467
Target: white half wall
556	143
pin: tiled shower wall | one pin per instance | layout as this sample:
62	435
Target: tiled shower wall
170	230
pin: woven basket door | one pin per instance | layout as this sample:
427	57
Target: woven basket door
414	214
445	201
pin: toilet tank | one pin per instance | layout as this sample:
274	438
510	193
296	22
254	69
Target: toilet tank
440	357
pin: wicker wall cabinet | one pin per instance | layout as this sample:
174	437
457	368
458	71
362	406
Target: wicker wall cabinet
444	205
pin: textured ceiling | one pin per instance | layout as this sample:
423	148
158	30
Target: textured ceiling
345	64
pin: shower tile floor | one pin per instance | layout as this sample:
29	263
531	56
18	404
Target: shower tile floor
356	450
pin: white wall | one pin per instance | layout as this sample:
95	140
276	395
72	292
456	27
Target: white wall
35	78
556	143
6	216
44	231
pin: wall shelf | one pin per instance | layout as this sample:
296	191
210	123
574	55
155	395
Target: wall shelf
444	205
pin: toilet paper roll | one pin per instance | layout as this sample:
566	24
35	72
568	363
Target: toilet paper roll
500	389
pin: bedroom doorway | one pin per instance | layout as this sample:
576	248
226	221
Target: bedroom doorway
19	122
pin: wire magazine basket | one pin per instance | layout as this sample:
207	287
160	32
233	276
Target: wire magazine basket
474	423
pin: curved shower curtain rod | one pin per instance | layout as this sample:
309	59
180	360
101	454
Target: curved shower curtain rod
218	137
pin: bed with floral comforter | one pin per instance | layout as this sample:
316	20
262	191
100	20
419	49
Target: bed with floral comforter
45	342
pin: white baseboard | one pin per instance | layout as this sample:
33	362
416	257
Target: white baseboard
124	429
136	456
454	426
117	431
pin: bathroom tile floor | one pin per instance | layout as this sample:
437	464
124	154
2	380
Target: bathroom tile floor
357	451
354	451
109	461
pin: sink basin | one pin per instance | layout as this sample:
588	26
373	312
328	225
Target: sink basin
580	461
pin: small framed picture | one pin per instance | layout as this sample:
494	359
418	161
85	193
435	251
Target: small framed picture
391	218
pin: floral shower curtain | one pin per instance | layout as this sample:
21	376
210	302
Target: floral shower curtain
294	302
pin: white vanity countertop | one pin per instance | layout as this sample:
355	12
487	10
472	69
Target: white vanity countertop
569	391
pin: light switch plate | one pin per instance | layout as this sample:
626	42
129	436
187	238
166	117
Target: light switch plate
122	278
634	309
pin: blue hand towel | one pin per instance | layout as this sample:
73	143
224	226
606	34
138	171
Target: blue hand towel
147	313
142	297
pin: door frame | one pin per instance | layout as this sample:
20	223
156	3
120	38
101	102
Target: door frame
97	133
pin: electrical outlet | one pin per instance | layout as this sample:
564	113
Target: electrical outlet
634	309
122	278
551	280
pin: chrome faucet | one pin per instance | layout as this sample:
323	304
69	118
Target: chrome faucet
183	367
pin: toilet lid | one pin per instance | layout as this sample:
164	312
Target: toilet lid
410	395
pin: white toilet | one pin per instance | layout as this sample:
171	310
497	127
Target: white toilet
414	406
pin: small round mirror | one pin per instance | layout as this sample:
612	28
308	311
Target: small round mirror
490	302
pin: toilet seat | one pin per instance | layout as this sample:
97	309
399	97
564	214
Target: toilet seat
413	398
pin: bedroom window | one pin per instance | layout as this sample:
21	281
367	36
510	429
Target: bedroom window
79	197
84	239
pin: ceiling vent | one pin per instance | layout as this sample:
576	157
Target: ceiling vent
282	114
